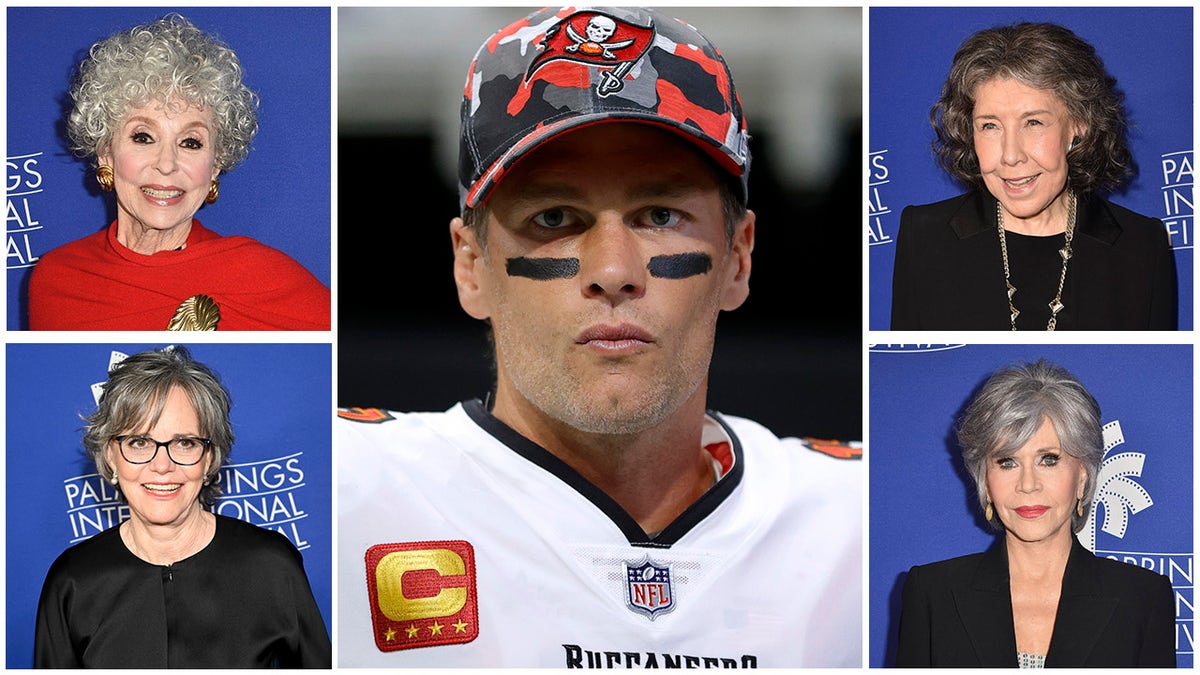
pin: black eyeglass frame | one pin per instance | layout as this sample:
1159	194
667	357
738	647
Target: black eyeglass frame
161	444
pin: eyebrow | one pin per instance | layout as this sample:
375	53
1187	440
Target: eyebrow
1002	454
1030	113
540	193
154	123
671	187
668	187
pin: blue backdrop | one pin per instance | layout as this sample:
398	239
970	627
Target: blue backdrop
279	195
1148	50
924	509
278	475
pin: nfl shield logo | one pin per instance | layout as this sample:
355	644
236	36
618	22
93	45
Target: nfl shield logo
648	588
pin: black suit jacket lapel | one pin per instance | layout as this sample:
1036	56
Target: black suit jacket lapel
1084	611
1095	220
985	609
977	215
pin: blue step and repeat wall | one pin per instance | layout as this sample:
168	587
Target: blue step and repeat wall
278	475
923	509
1147	49
279	195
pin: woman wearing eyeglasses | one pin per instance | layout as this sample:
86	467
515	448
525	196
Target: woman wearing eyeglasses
174	586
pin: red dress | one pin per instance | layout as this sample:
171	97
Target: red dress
96	283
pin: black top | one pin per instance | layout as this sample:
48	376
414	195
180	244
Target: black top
1034	266
958	613
949	273
243	601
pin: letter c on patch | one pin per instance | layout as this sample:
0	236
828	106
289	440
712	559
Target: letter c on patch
448	599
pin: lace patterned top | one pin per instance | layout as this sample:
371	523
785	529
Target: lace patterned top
1031	660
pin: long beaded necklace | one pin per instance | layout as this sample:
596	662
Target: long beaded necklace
1056	304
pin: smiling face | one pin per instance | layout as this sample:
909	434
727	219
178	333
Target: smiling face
595	338
1021	136
163	164
161	492
1034	490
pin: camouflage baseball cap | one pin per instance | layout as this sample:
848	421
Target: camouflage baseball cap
558	70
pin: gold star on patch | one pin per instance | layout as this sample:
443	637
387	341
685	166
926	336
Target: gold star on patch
460	626
389	635
412	631
435	629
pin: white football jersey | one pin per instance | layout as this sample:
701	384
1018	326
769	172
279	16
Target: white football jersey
461	543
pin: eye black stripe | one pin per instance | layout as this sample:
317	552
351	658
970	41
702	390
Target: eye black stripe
542	268
680	265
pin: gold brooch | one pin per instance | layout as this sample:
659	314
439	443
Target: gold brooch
198	312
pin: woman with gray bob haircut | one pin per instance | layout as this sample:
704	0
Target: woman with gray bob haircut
175	585
1011	408
1032	441
135	395
160	111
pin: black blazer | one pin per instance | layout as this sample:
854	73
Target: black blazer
958	613
949	274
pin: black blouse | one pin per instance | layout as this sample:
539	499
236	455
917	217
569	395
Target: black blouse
243	601
1034	266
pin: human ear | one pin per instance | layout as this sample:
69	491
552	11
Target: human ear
1079	131
111	460
737	288
468	273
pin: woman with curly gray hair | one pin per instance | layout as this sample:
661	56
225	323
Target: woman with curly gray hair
1033	125
162	110
1031	441
174	585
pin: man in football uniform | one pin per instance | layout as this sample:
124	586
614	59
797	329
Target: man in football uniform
589	512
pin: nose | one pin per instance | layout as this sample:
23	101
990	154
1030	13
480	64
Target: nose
167	160
161	462
1012	151
611	264
1028	480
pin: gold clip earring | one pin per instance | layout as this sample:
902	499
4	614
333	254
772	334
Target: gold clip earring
104	176
214	191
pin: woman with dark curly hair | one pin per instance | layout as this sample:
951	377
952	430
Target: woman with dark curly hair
175	585
1032	123
162	110
1032	443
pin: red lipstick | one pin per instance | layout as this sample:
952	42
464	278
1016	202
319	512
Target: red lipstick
1031	512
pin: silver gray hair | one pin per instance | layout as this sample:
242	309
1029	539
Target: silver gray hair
135	395
162	61
1008	411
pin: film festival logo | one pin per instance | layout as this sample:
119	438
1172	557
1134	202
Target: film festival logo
20	191
262	492
1178	178
1122	497
877	178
